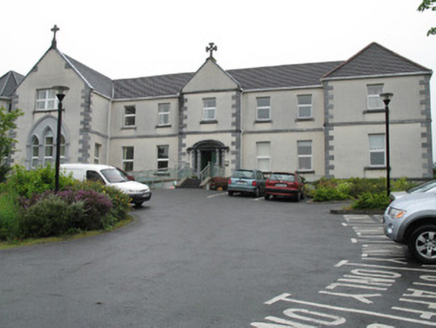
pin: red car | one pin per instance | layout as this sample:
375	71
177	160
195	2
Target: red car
283	184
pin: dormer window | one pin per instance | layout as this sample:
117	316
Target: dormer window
46	99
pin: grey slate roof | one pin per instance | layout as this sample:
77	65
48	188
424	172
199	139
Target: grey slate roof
9	82
97	81
284	76
153	86
375	60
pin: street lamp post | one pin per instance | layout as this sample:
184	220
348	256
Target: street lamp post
386	97
60	95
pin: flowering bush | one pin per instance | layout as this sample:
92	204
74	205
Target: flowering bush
49	216
30	209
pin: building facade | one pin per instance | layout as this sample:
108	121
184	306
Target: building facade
320	119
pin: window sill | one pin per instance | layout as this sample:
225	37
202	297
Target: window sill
128	128
374	111
304	119
306	171
163	126
45	110
374	168
262	121
209	122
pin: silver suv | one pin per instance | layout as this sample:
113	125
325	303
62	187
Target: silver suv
411	220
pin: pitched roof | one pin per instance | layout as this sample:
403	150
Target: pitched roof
96	80
284	76
9	82
375	60
273	77
152	86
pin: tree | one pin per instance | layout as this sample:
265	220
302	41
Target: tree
428	5
7	123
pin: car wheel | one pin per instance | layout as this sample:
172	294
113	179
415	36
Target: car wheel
266	196
297	197
257	193
422	244
138	204
230	193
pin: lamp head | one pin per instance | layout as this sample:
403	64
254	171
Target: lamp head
61	91
386	97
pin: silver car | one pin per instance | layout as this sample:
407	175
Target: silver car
411	220
429	186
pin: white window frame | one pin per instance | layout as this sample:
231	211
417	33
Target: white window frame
128	116
127	159
304	156
263	156
49	147
97	153
373	149
303	106
163	114
46	99
62	150
209	107
161	160
374	101
262	107
35	152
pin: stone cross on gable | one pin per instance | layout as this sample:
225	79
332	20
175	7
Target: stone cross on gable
54	30
212	47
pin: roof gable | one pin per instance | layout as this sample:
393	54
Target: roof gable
210	77
375	60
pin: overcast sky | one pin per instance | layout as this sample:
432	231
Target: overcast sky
133	38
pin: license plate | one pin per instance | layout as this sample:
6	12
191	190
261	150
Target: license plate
280	184
241	182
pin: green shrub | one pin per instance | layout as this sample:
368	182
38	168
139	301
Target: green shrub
49	216
361	185
402	184
371	201
29	182
8	216
325	194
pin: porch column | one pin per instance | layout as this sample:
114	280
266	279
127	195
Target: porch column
198	161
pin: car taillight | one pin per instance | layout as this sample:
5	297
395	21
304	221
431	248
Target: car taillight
254	183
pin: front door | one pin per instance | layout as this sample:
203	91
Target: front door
207	156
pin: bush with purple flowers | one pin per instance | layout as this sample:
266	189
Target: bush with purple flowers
36	211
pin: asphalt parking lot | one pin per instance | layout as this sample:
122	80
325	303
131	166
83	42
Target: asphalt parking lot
195	258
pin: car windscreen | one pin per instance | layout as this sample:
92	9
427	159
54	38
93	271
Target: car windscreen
282	177
113	176
423	187
244	174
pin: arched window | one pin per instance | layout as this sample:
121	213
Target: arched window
62	152
35	151
48	147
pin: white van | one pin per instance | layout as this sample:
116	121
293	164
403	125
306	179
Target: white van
111	176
